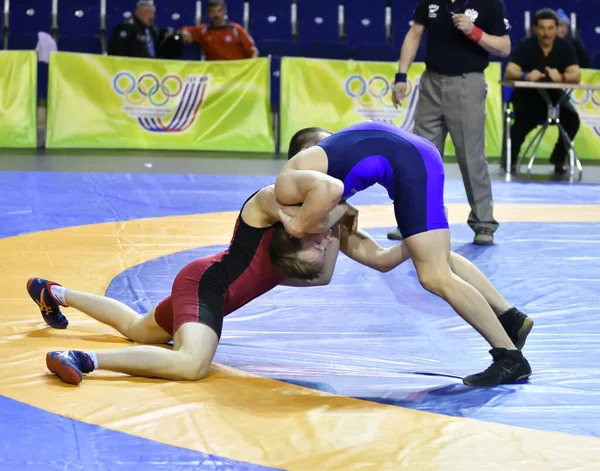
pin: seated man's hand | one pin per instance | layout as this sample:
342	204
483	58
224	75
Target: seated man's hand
554	74
535	76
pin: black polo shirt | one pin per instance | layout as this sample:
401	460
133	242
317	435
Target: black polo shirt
449	51
529	56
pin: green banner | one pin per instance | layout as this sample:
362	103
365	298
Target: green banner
335	94
587	104
18	98
121	102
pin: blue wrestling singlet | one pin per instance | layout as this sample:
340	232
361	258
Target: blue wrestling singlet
409	167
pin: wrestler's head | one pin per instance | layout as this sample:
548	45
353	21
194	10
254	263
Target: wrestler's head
306	138
298	258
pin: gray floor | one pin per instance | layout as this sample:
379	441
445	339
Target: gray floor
127	161
212	163
142	161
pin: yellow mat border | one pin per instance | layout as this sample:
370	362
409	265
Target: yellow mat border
234	414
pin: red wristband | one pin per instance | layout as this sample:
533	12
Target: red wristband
476	34
563	77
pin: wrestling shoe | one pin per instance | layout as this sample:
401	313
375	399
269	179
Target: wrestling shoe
508	366
517	325
70	365
39	290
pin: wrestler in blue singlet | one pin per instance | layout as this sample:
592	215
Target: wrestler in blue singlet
408	166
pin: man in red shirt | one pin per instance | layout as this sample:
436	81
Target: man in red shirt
221	39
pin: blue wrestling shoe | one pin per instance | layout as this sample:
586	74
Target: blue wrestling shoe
39	290
70	365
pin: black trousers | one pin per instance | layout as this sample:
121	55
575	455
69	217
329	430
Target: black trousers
527	116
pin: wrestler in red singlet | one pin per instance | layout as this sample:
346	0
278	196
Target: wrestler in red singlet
209	288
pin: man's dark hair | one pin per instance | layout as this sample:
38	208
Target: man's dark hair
216	3
306	137
545	14
283	249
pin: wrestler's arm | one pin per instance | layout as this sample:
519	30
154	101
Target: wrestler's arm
268	211
362	248
318	192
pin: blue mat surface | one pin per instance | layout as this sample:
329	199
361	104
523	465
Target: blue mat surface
379	337
382	338
35	440
36	201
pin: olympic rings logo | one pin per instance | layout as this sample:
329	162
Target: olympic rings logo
370	92
592	96
147	87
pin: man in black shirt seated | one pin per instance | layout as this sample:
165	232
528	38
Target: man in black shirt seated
543	58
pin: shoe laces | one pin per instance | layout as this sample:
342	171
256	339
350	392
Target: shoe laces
47	309
500	364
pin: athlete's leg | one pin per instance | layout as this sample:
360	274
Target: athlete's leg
471	274
419	211
430	253
516	324
197	325
109	311
50	296
194	347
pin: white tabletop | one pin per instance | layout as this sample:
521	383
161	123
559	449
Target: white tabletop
548	85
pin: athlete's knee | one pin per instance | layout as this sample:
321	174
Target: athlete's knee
138	332
134	333
192	373
191	369
145	330
455	260
435	281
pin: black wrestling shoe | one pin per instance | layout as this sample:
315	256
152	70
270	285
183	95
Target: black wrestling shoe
508	366
517	325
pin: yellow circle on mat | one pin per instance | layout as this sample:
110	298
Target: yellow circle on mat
231	413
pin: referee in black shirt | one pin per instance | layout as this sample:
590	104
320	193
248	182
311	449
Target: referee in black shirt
461	36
